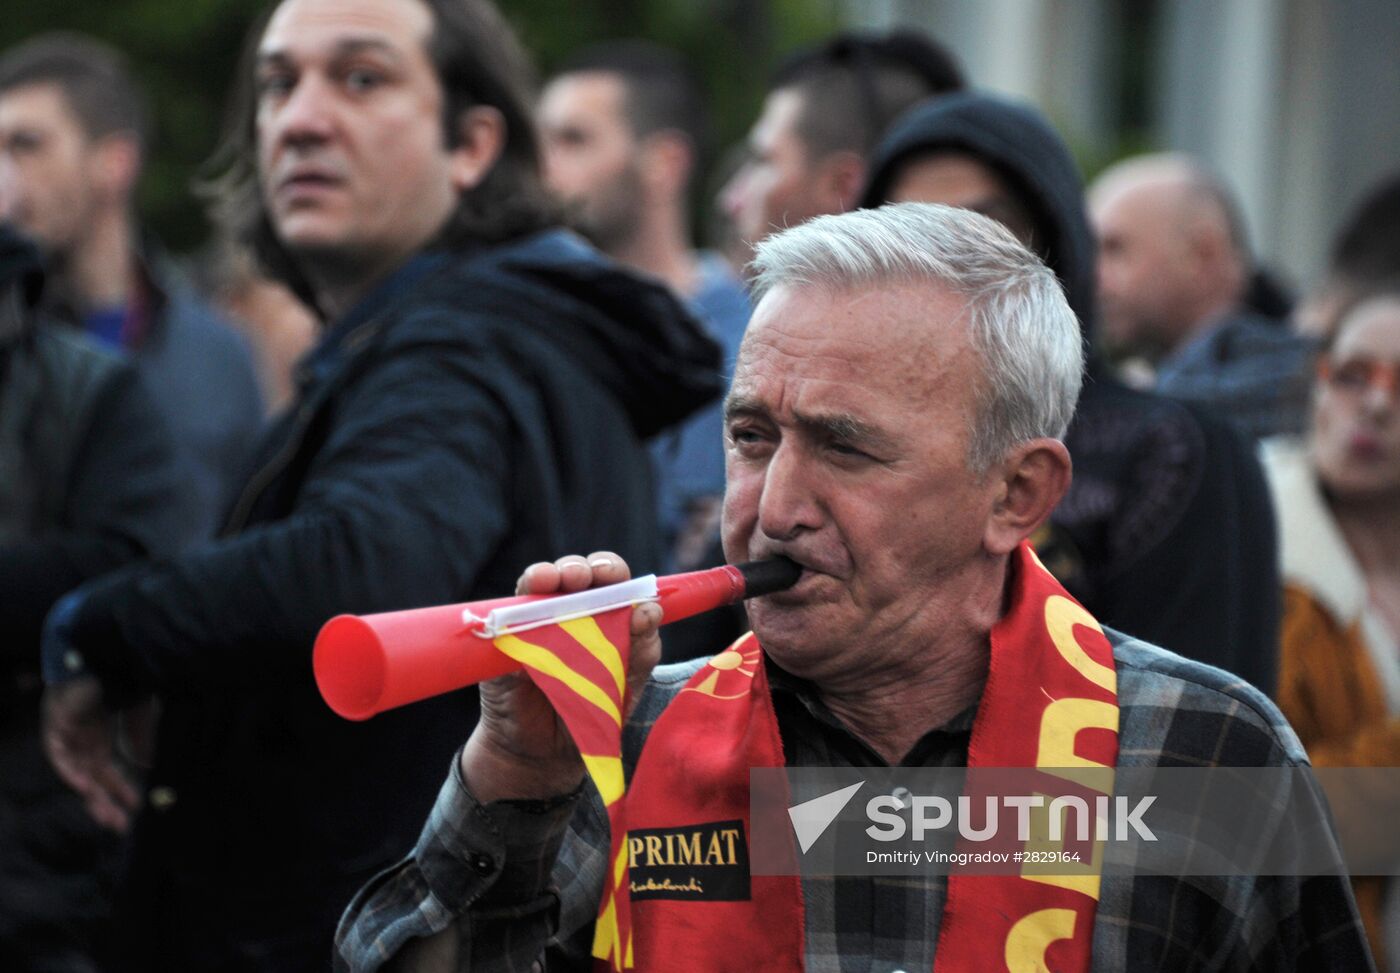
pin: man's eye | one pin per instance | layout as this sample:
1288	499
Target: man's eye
846	450
274	84
24	143
745	437
360	80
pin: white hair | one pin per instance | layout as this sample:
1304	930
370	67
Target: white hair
1020	324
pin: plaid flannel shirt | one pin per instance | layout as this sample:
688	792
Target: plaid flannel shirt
519	882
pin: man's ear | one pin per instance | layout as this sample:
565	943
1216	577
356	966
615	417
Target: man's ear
840	177
115	165
481	135
666	161
1030	482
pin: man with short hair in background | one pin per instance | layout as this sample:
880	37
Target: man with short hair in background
76	129
1174	267
479	394
824	113
624	130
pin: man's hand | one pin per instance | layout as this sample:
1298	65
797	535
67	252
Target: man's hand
521	749
79	738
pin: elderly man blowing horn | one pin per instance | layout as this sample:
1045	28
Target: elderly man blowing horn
893	427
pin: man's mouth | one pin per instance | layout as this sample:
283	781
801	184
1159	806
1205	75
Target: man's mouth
812	574
308	181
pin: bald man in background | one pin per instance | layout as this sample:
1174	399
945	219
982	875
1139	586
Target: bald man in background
1174	267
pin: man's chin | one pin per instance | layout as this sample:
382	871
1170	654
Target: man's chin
304	237
781	625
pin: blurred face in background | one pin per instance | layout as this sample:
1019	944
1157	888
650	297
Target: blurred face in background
52	167
962	181
591	155
1147	273
778	185
1355	436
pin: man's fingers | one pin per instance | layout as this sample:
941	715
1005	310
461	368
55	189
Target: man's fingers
106	812
646	649
79	737
71	771
115	784
572	573
109	797
540	578
608	568
646	619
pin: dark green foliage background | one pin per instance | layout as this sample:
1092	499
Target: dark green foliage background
185	52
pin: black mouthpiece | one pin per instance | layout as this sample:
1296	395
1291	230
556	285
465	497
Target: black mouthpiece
766	577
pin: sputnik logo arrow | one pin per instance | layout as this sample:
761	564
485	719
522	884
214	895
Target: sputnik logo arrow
811	818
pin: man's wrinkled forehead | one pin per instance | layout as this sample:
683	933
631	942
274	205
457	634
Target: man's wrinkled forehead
901	331
395	27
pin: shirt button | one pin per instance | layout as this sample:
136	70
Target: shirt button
905	799
482	864
162	798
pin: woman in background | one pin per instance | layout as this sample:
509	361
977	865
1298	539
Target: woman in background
1338	500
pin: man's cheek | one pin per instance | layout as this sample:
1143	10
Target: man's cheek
739	514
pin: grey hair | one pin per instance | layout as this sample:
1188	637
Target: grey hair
1019	321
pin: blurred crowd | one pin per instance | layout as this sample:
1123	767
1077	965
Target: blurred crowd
452	325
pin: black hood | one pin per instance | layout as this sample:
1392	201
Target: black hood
1018	142
628	331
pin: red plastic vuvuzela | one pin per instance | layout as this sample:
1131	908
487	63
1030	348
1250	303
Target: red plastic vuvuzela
366	664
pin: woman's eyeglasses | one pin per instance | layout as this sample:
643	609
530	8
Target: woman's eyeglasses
1358	375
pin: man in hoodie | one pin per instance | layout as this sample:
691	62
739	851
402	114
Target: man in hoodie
1157	483
479	398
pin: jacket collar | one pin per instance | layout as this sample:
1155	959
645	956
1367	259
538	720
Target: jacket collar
1313	552
342	337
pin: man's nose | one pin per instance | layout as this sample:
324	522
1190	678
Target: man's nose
1104	276
733	193
789	505
307	113
552	169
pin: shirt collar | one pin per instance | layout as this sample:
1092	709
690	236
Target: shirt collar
956	732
